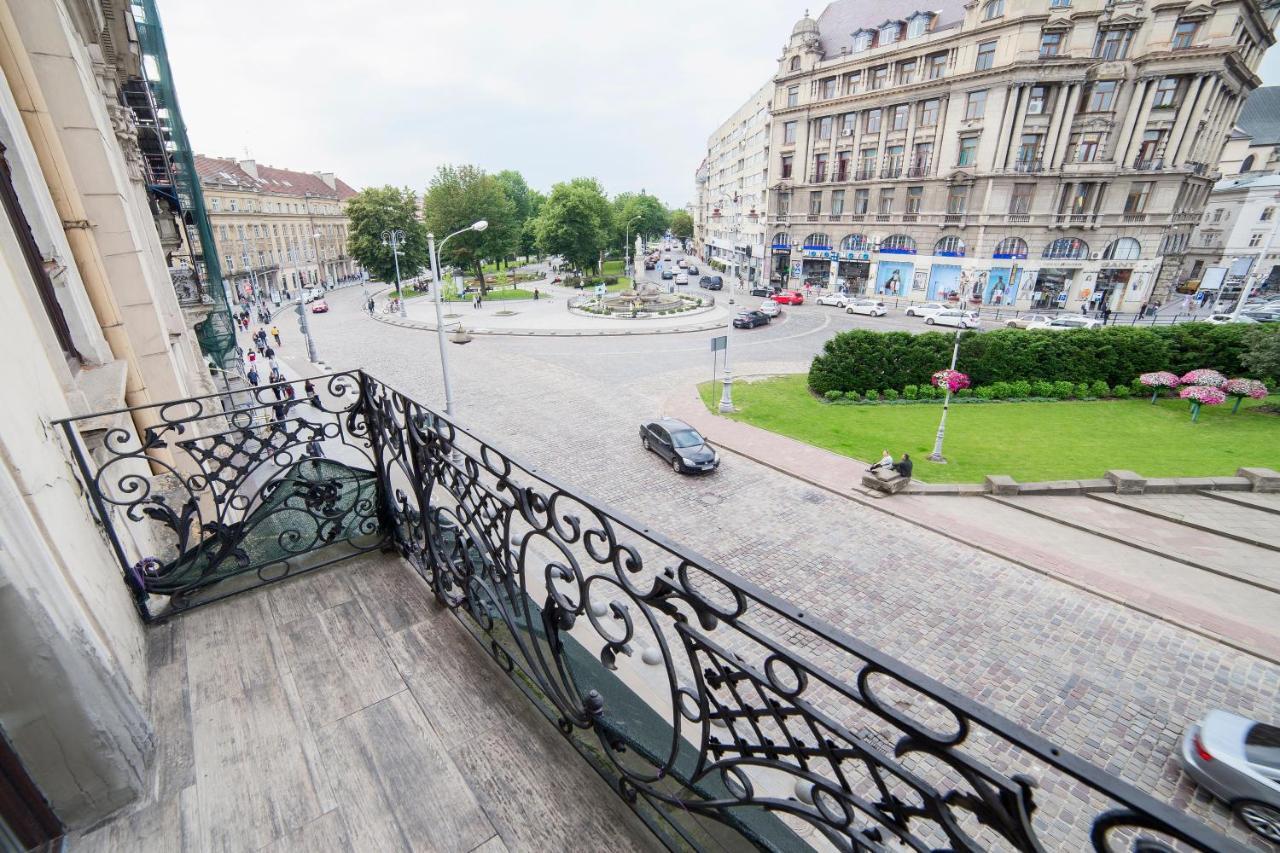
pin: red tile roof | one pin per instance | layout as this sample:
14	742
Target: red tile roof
270	180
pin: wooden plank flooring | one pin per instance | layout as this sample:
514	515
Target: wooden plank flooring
345	710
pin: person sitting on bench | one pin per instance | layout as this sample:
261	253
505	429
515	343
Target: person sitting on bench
903	468
886	461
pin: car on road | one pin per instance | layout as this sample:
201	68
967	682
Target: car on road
668	273
648	264
680	444
789	297
1058	324
926	309
711	282
667	256
835	298
870	307
750	319
1026	321
682	263
763	290
1238	761
954	317
682	278
691	269
1262	316
320	307
770	308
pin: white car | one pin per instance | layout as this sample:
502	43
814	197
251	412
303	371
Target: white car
954	317
928	309
835	298
769	308
683	262
666	257
1061	323
1029	321
1218	319
682	278
870	307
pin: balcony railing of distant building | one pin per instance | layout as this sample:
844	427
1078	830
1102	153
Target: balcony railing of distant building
1028	165
918	170
727	715
1147	164
864	173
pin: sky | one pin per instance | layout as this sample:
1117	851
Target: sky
385	91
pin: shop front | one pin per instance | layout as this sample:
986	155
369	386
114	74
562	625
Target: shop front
815	269
780	260
944	282
1111	287
893	276
1002	286
854	271
1052	288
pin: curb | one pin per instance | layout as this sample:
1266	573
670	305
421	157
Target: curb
550	333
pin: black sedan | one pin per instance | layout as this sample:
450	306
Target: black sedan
711	282
750	319
763	290
680	444
667	274
691	269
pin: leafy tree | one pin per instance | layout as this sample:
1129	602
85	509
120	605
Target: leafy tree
681	224
653	220
522	197
529	229
1263	356
459	196
576	222
379	209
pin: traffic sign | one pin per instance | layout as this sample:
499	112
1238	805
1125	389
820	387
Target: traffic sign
719	343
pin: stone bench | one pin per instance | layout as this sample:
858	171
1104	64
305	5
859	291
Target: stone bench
885	480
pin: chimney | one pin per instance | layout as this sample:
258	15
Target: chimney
250	167
327	177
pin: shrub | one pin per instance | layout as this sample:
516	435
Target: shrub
1062	389
964	392
1041	388
1099	389
1083	390
1137	387
852	396
871	396
1121	392
987	392
834	395
610	280
572	280
1020	388
999	391
890	394
909	392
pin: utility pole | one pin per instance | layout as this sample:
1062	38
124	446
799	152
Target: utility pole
726	394
394	237
305	326
936	455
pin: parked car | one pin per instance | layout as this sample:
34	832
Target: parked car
870	307
682	278
750	319
954	317
835	298
668	273
1059	323
711	282
770	308
320	307
691	269
1262	316
789	297
926	309
680	444
1026	321
1238	761
762	290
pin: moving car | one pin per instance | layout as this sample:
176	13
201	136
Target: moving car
750	319
320	307
1059	323
789	297
1238	760
1026	321
926	309
870	307
1262	316
770	308
711	282
835	298
648	264
667	273
682	278
691	269
667	256
682	263
762	290
680	444
954	317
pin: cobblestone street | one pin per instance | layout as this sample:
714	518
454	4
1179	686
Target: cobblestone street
1113	685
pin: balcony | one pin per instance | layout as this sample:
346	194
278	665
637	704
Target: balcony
335	589
890	172
812	217
1148	164
917	171
1078	219
1029	166
864	173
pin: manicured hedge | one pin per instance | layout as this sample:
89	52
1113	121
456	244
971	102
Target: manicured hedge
861	359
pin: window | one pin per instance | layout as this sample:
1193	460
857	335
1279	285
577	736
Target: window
1101	96
921	157
914	197
893	160
1066	248
889	33
795	63
788	132
986	56
1166	93
871	121
1217	215
820	167
866	162
1254	240
1029	148
782	239
901	114
855	243
1059	4
976	104
784	202
851	82
825	124
1021	198
907	72
1050	44
231	205
861	201
862	40
1139	192
1267	214
787	161
886	202
957	199
1124	249
846	124
1150	149
898	243
1184	34
1112	44
993	9
1037	101
929	112
842	165
837	202
815	202
935	66
240	232
793	95
879	77
215	204
1086	146
968	151
828	88
1010	247
917	25
949	247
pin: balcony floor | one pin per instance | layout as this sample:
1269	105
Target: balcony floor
346	710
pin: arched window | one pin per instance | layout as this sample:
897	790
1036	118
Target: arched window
993	9
782	238
817	240
1010	247
862	40
1124	249
1247	165
899	243
949	246
1066	249
795	63
855	243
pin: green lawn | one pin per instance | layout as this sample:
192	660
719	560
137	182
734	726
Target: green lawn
497	295
613	267
1028	441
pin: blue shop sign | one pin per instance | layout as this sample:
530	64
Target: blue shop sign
1014	256
782	247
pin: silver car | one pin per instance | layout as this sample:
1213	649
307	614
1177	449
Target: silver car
1238	760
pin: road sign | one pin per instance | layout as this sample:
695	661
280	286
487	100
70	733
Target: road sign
719	343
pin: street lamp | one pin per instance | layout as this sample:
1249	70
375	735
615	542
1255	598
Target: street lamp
435	273
726	395
394	237
626	248
936	455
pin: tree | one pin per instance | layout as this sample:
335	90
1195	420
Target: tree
681	224
653	220
529	230
1263	356
379	209
576	222
522	197
459	196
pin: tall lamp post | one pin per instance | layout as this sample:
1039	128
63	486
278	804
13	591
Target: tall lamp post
435	273
626	249
394	237
726	394
936	455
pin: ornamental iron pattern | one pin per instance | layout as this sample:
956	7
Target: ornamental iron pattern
710	698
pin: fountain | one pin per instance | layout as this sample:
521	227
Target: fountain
648	298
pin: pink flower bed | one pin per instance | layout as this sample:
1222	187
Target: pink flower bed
953	379
1202	394
1160	379
1210	378
1245	388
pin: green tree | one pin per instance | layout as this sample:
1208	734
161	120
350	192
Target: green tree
378	209
576	222
522	198
1262	359
653	217
529	230
681	224
459	196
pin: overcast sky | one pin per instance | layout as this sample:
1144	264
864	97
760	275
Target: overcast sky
384	91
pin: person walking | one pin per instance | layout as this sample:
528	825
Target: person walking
289	392
1142	310
1106	315
275	333
253	376
309	388
268	351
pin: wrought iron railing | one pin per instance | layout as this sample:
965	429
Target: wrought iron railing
720	711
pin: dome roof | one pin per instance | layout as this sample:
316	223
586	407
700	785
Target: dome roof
805	26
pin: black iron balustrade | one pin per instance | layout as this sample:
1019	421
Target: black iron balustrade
720	711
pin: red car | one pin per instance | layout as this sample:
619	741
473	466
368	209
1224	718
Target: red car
320	307
789	297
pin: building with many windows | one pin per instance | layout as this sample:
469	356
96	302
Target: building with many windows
729	222
1037	153
276	229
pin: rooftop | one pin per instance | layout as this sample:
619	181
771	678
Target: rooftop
1260	117
841	19
225	170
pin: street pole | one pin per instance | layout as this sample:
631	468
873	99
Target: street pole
394	237
936	455
305	325
433	254
626	251
726	395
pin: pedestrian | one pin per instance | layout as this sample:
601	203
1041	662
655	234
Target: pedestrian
1106	315
275	389
253	376
252	358
314	450
1142	310
268	351
310	389
1157	307
279	410
275	333
536	295
1084	309
289	391
370	304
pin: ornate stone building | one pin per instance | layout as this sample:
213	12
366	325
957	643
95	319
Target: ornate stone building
1037	153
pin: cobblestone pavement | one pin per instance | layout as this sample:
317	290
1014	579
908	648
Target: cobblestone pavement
1111	684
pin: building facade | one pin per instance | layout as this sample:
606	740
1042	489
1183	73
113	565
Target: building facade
1031	153
1240	232
276	230
732	183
